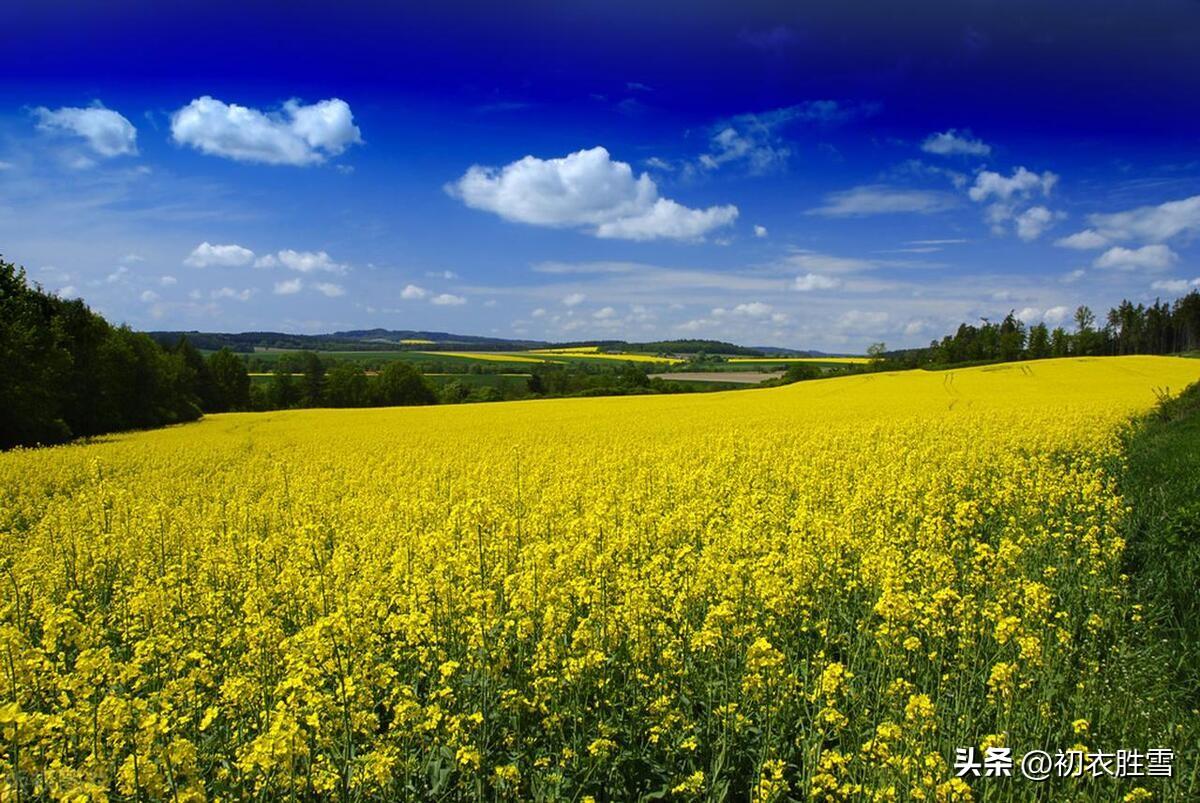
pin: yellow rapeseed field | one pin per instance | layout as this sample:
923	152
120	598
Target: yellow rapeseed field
808	592
781	360
487	356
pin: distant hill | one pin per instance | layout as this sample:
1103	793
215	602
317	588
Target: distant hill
394	339
776	351
353	340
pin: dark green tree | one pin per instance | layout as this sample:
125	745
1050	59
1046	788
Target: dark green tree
1038	345
346	385
312	384
284	392
399	383
231	382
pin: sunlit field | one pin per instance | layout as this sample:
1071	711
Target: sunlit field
801	360
814	592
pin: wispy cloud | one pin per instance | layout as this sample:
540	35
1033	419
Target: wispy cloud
880	199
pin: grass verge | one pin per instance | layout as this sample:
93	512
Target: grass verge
1161	486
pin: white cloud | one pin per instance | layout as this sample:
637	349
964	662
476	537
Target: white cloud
118	275
760	231
167	281
69	291
538	313
827	263
301	261
1029	315
329	289
752	309
208	255
1083	240
1020	184
815	281
289	286
1008	194
295	135
574	299
149	296
604	313
1074	276
586	188
448	300
107	132
880	199
954	143
1056	315
1148	257
1052	316
448	275
754	140
1175	285
412	293
229	292
1033	221
1150	224
670	220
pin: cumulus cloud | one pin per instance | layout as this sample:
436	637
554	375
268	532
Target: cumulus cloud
1051	317
880	199
815	281
1145	224
1175	285
448	300
1148	257
1033	221
208	255
149	296
107	132
1056	315
294	135
574	299
992	185
670	220
412	292
289	286
760	231
604	313
1083	240
751	309
301	261
167	281
1008	193
955	143
229	292
329	289
586	188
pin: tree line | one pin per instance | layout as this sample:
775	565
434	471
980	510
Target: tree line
1128	328
66	373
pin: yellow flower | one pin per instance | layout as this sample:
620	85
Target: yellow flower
692	785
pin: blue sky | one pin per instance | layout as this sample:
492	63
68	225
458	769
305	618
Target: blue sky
820	177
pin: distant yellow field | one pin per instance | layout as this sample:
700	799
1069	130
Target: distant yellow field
416	342
489	356
567	350
614	356
810	592
781	360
